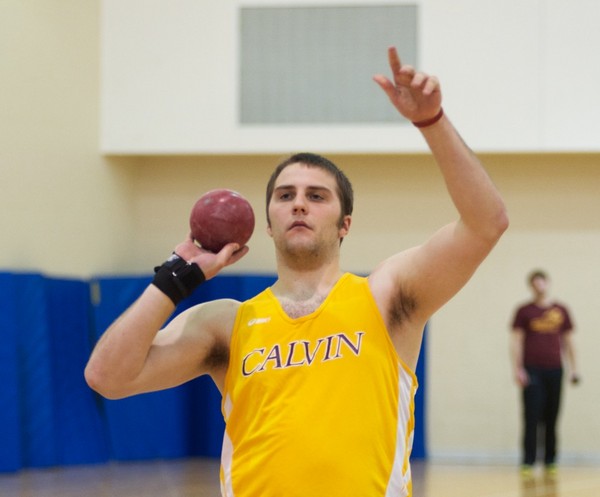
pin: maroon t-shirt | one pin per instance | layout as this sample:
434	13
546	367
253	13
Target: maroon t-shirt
543	327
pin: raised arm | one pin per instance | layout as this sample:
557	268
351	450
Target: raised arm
427	276
133	356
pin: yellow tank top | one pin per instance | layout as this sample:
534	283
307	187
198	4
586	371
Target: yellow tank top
319	406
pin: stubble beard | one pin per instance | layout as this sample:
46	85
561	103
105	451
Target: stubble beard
304	256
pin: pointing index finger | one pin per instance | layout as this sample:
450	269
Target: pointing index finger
402	74
394	60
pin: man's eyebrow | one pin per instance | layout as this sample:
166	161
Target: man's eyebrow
284	187
309	187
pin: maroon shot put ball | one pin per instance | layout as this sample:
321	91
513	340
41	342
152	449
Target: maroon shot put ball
220	217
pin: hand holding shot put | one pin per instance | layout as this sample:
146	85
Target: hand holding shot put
322	354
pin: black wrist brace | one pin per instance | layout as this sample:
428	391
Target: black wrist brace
177	279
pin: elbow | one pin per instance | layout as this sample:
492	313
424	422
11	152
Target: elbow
100	383
490	232
489	226
502	222
94	379
497	225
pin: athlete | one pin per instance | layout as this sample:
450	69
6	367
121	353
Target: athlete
316	372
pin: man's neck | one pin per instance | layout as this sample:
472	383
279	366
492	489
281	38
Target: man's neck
302	285
542	301
301	293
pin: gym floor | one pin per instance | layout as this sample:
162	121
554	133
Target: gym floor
200	478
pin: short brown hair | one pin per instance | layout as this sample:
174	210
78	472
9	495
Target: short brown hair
538	273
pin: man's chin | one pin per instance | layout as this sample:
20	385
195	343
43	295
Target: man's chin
301	249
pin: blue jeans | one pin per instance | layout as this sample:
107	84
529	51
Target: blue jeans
541	402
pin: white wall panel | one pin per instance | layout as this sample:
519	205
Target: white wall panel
486	54
571	75
516	75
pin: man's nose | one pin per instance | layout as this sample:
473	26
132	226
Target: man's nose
299	204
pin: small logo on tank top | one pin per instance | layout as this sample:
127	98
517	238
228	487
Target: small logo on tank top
254	321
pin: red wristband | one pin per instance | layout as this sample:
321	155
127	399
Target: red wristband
429	122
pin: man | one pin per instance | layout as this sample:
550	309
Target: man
316	372
541	334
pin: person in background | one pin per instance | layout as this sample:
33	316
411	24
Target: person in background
541	341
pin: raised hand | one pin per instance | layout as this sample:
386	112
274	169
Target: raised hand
416	95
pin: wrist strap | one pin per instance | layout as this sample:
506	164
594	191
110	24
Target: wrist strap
177	279
429	122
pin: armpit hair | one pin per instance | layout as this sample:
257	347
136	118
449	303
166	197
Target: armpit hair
402	308
218	356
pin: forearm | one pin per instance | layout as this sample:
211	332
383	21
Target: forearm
570	356
121	353
473	193
516	355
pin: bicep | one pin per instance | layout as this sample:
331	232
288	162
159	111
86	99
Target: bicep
434	272
185	348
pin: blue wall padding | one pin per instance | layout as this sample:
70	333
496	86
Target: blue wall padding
420	440
205	423
80	427
10	408
48	414
36	377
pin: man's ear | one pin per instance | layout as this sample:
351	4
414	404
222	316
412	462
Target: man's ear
345	226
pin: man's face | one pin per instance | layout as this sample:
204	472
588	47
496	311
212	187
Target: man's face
539	285
305	210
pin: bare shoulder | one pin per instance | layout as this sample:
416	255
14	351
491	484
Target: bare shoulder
206	330
214	319
391	288
216	312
